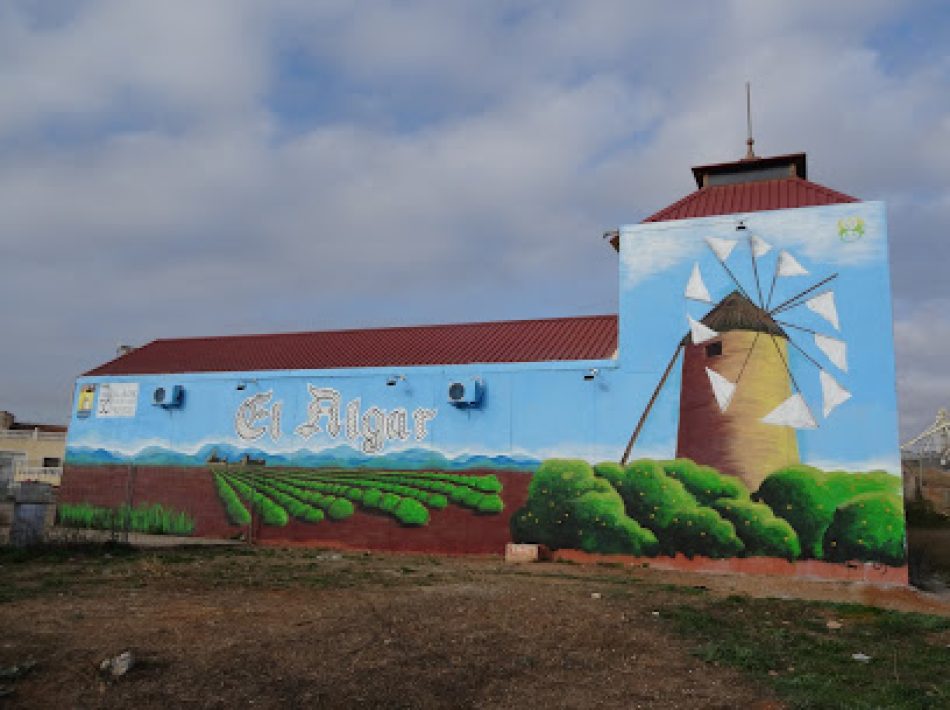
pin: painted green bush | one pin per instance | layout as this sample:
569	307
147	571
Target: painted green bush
340	509
372	497
869	527
704	483
428	489
490	505
663	504
290	500
807	498
271	512
411	512
569	507
237	512
388	502
153	519
761	531
437	501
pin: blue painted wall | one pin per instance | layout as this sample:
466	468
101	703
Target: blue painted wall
533	411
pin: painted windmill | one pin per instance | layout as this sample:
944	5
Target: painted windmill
740	402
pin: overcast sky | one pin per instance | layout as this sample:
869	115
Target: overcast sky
199	168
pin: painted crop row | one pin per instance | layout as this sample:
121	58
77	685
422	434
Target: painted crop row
153	519
312	496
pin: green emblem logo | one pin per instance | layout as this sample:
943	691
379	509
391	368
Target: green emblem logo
850	229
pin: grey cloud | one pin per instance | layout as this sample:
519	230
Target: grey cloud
554	122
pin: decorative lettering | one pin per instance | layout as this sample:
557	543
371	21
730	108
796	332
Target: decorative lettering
275	421
258	415
397	424
420	417
353	419
249	414
374	430
324	402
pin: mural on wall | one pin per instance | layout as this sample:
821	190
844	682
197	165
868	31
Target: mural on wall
785	437
750	411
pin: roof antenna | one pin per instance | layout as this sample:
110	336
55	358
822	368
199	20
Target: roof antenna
749	141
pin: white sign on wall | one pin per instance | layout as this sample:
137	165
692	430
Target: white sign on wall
118	399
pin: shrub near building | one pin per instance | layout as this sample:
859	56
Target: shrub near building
808	497
664	505
867	527
569	507
704	483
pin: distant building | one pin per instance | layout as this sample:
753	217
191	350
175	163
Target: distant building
926	479
30	451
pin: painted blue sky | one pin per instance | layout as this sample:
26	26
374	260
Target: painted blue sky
230	166
656	262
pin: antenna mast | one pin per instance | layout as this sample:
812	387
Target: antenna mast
749	141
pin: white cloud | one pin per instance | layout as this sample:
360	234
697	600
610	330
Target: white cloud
184	168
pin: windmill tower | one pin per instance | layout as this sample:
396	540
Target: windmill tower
740	402
735	440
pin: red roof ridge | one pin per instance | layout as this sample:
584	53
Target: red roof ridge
754	196
567	338
378	329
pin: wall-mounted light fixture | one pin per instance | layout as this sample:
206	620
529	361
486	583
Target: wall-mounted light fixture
741	226
591	373
242	384
393	379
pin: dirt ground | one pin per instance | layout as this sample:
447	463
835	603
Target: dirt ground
306	628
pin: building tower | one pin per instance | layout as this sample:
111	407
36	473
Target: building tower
736	441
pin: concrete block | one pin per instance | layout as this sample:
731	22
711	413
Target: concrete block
521	552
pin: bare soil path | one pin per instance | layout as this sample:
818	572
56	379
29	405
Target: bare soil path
225	627
299	628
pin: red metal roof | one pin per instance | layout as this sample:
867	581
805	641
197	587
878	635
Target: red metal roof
580	338
758	196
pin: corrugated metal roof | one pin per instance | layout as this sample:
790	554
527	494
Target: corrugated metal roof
758	196
552	339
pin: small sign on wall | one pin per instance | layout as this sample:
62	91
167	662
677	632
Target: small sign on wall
118	399
87	396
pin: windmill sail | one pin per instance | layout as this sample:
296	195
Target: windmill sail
699	332
722	388
792	412
824	305
834	349
832	394
722	248
695	288
760	247
788	265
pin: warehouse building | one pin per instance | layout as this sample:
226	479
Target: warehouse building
750	363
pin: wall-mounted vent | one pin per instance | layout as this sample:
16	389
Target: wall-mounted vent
466	392
168	396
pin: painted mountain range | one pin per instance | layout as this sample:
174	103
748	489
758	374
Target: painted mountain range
336	457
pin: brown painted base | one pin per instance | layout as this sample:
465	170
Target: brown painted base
867	572
453	530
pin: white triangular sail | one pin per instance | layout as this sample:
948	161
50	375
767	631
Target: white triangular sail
695	288
792	412
700	333
788	265
832	394
722	388
824	305
722	248
760	247
835	350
